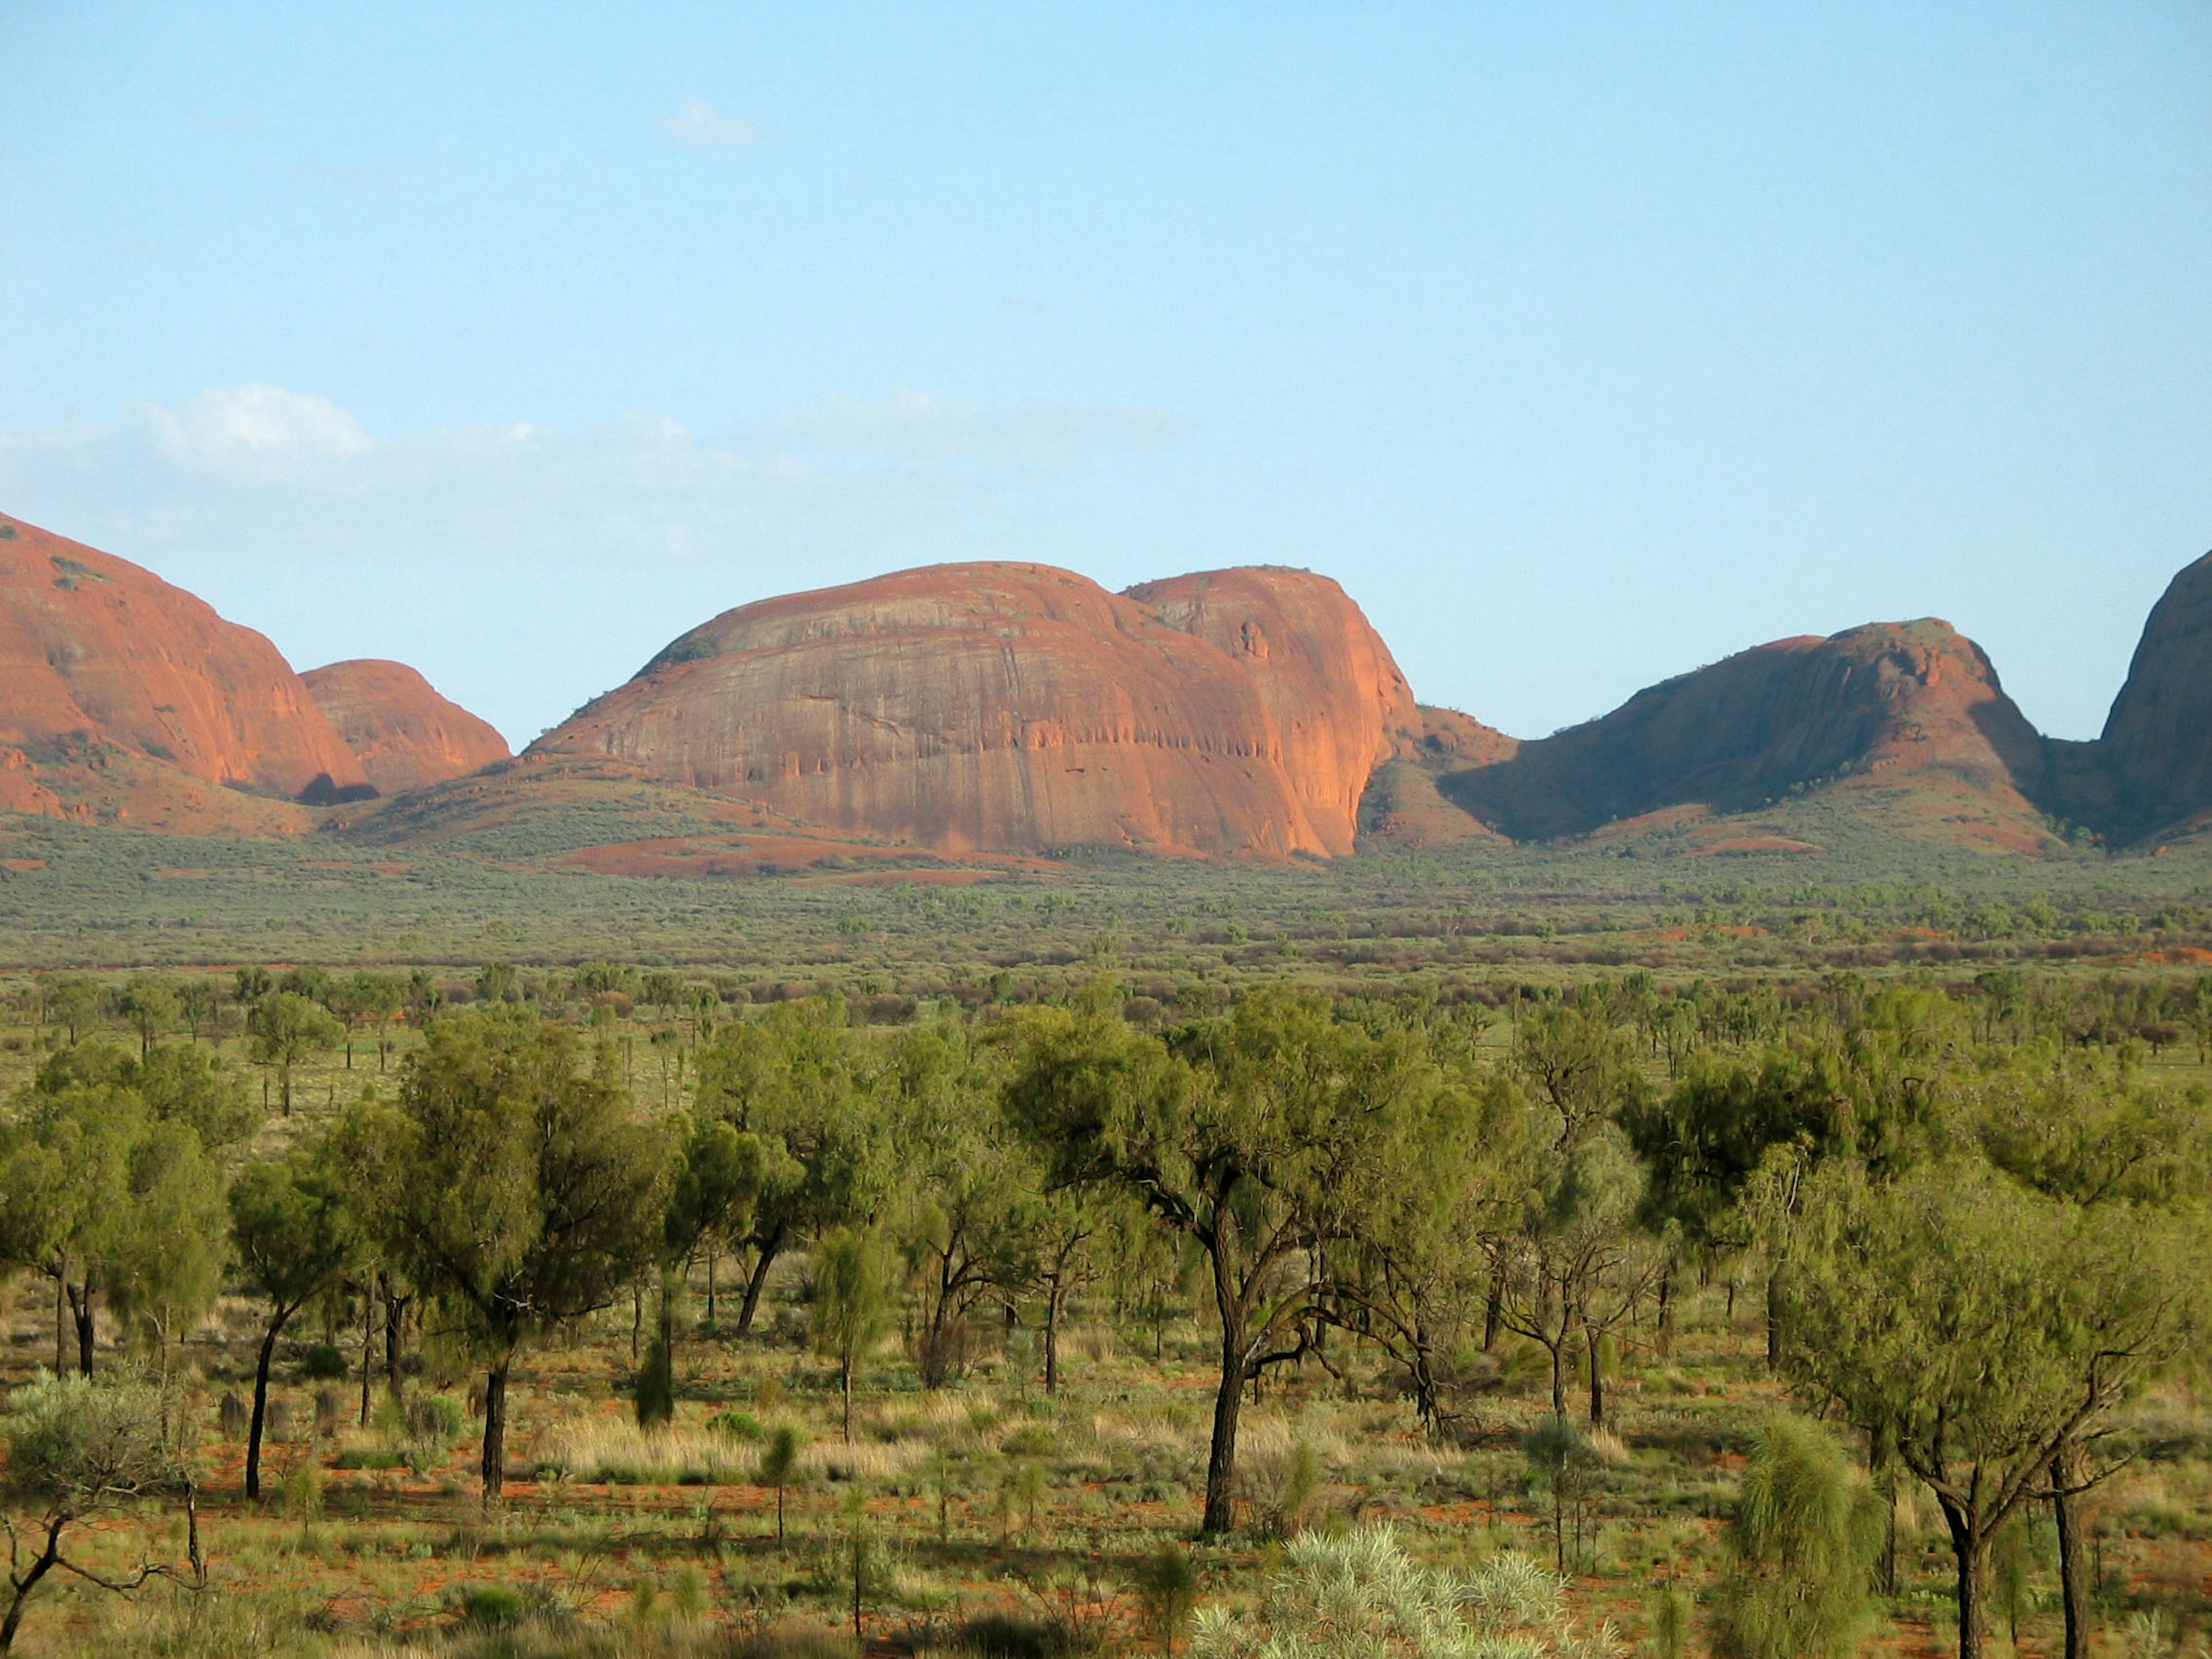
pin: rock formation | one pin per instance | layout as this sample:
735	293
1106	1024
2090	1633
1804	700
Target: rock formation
1322	670
1019	707
99	657
2156	751
404	735
1901	703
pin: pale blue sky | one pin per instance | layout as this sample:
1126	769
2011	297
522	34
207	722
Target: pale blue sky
1583	345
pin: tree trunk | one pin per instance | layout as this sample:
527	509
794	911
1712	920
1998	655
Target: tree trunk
1493	1312
367	1344
260	1408
713	1256
1774	1320
61	1315
2069	1473
1560	1377
771	1247
80	1312
29	1582
284	1083
494	1436
395	1319
1594	1343
1663	1335
1227	1401
1052	1338
1973	1550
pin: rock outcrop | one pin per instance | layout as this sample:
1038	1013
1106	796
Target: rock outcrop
1016	707
98	656
2156	752
1903	703
1321	669
404	735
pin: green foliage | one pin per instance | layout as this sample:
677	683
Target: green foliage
1802	1545
851	1302
1166	1583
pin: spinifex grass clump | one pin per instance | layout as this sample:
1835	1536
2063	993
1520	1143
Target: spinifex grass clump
1361	1596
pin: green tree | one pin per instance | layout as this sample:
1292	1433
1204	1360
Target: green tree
286	1029
522	1189
1801	1548
75	1448
778	1466
295	1237
151	1003
1254	1140
1979	1328
852	1304
1578	1262
794	1079
73	1004
715	1182
366	998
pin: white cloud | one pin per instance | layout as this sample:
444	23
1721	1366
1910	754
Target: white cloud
700	123
255	431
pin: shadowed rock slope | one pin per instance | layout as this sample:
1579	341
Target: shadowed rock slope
2156	752
123	697
1913	711
1017	707
404	735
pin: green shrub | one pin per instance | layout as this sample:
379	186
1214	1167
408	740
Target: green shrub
325	1364
738	1425
491	1607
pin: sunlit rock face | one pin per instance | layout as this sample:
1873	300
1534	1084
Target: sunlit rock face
100	660
404	735
1008	706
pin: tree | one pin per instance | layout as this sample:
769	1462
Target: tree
779	1463
151	1003
189	1084
1802	1549
109	1200
1577	1263
75	1448
366	997
287	1028
1254	1138
294	1238
521	1189
964	1210
1413	1279
1979	1328
793	1078
73	1003
852	1304
711	1191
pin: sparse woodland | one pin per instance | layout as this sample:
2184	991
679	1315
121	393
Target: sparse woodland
608	1310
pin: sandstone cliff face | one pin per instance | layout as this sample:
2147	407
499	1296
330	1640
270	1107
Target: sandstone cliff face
404	735
1018	708
2156	752
1339	704
95	652
1913	704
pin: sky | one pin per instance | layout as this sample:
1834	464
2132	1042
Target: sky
1583	345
